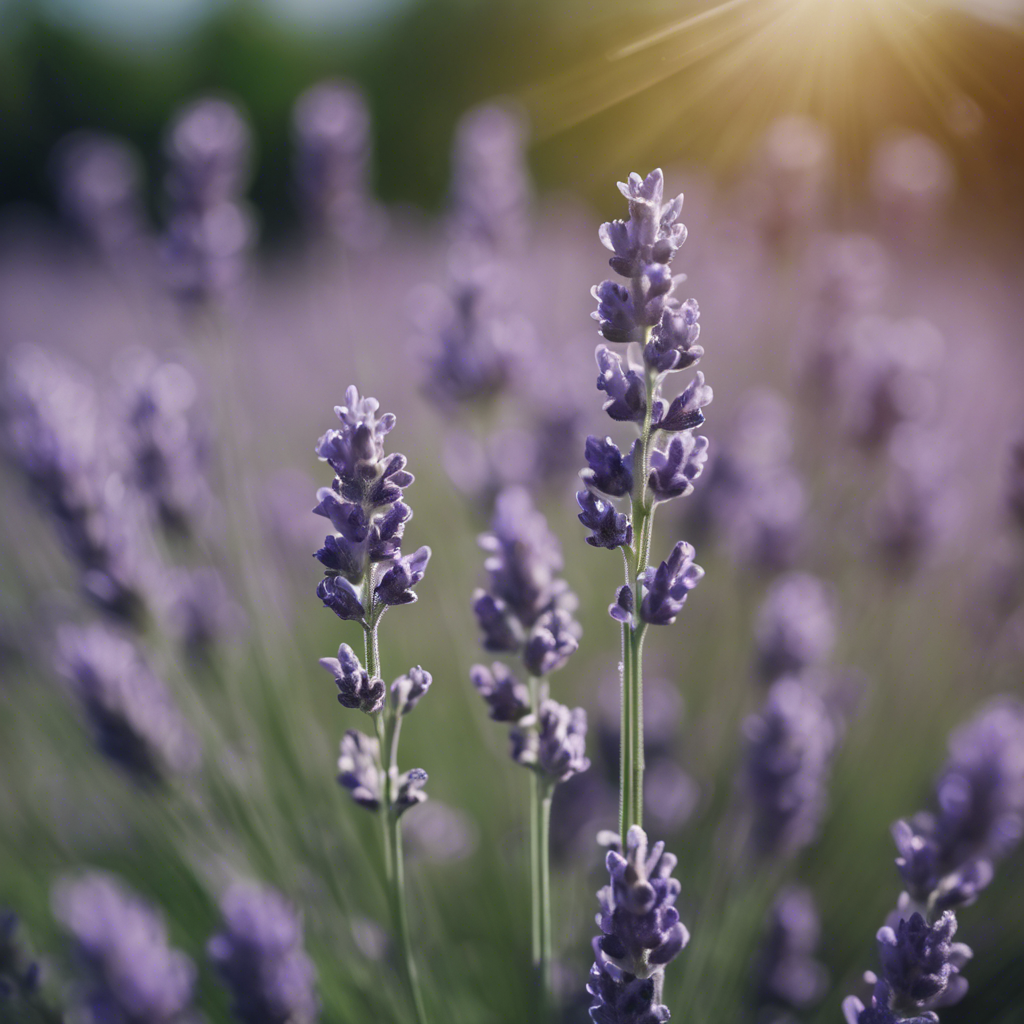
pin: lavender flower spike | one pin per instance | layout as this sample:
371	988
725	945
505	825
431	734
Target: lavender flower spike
507	698
557	748
365	508
666	588
133	974
259	956
640	934
133	715
355	688
796	626
790	744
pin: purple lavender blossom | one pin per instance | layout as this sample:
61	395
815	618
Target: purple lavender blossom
609	528
556	748
796	626
209	231
790	976
202	611
365	508
642	248
527	607
409	689
52	435
359	769
640	933
507	697
133	975
753	498
355	688
331	127
790	745
490	181
98	188
132	714
469	335
259	956
981	789
667	587
167	451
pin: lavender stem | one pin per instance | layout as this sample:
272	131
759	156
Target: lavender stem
388	724
541	791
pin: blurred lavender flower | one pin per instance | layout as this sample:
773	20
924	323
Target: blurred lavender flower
851	273
796	626
98	188
134	976
490	181
365	508
331	127
259	956
919	511
20	972
640	933
789	974
1015	481
52	436
470	337
792	176
202	611
167	450
527	607
209	231
440	834
359	769
556	748
132	713
790	745
912	180
885	377
754	498
507	698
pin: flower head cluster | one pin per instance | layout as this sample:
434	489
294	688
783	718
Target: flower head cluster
209	230
796	626
201	610
640	933
920	972
526	610
98	189
167	449
470	338
363	562
666	460
946	858
259	956
790	744
554	743
134	976
52	435
331	126
790	976
131	712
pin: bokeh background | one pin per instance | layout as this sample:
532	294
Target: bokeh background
841	159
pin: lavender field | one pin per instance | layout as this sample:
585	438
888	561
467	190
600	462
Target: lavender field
440	586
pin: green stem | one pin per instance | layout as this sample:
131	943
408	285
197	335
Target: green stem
388	725
631	773
540	871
